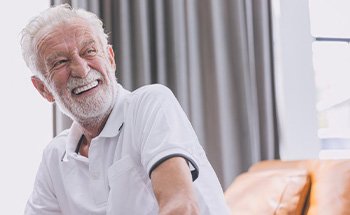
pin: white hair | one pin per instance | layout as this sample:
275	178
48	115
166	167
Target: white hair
52	17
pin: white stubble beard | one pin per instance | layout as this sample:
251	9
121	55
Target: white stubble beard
91	109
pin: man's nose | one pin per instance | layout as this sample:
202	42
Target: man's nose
79	67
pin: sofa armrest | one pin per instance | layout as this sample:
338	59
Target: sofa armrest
269	192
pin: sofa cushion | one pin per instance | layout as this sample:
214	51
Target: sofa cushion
269	192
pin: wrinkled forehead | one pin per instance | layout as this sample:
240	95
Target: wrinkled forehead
73	29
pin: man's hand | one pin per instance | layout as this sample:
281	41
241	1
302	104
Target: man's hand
173	188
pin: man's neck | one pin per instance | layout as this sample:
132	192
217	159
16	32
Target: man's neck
92	127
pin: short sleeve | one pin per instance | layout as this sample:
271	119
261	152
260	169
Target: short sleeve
163	129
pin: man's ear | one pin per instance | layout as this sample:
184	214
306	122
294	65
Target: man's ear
111	56
42	89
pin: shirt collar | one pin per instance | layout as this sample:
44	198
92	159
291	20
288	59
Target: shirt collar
116	118
74	135
111	128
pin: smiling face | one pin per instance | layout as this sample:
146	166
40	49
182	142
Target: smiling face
78	70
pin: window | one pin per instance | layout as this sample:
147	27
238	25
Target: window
26	119
330	27
312	63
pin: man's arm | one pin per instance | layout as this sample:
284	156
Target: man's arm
42	200
173	188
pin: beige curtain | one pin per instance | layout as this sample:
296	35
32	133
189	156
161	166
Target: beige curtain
215	55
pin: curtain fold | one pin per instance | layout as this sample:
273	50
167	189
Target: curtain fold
216	56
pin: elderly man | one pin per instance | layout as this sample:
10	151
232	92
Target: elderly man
126	152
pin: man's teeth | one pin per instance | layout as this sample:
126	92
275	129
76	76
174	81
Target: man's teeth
78	90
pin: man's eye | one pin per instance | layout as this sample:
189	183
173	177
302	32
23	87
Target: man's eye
91	52
59	62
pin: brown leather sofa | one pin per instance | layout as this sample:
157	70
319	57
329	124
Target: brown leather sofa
310	187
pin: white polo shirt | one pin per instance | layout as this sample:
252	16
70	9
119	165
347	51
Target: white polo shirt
144	128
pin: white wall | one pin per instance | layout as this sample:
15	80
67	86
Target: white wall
25	118
295	81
